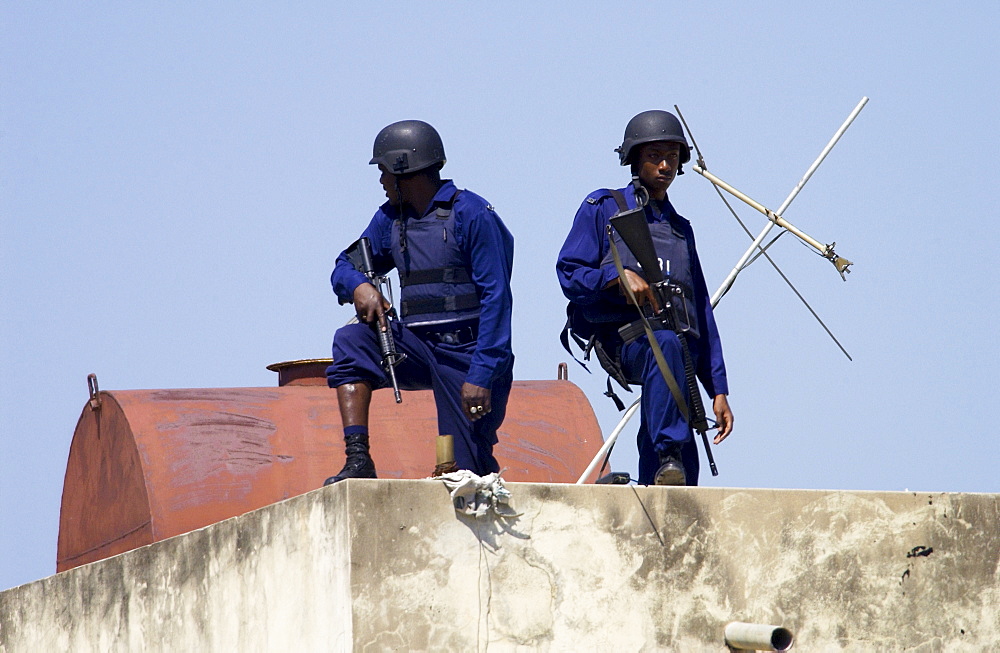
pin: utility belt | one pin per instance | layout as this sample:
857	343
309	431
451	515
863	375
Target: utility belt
463	335
635	330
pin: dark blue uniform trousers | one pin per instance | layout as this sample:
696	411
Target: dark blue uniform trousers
661	424
428	365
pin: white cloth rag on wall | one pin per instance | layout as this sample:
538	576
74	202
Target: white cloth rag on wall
476	495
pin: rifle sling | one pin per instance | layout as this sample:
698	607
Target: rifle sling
654	345
619	200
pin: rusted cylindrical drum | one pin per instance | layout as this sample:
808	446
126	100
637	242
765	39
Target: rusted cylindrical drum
145	465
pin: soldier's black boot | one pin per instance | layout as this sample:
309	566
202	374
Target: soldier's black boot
359	463
671	471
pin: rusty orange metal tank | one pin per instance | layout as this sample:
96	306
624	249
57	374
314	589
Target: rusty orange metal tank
145	465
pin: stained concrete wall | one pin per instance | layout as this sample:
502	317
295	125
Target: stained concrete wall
390	565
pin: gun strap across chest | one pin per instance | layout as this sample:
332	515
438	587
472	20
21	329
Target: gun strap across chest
661	362
699	423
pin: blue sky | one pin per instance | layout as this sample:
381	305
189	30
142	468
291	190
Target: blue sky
176	181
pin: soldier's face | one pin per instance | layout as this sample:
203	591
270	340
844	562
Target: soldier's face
388	181
658	163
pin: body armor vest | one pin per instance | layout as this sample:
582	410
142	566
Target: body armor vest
434	277
674	252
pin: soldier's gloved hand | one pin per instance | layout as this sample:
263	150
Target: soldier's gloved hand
370	305
475	401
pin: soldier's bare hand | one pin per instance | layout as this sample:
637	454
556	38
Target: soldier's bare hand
723	417
370	305
475	401
641	290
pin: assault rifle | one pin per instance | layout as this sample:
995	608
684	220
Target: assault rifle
360	254
634	231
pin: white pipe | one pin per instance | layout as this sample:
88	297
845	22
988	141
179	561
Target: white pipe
781	209
610	441
758	637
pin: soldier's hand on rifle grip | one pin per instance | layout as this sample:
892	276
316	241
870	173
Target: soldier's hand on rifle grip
370	305
643	292
723	417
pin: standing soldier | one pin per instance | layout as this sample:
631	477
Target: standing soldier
656	149
454	257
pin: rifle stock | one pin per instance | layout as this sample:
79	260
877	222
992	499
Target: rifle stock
634	230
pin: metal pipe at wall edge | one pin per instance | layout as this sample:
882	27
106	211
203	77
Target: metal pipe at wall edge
757	637
610	442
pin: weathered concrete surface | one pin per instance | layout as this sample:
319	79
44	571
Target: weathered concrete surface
389	565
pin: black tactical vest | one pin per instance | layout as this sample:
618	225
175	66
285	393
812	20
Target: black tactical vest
434	276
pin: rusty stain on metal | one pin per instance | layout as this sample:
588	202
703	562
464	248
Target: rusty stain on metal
151	464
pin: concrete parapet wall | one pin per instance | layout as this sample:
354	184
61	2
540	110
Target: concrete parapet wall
389	565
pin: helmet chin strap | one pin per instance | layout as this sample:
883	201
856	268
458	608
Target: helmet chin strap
399	193
402	213
398	168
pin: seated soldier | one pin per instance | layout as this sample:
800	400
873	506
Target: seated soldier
454	257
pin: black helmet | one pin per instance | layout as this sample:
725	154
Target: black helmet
651	126
407	146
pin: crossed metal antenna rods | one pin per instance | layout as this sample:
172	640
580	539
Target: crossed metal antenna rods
774	218
755	250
